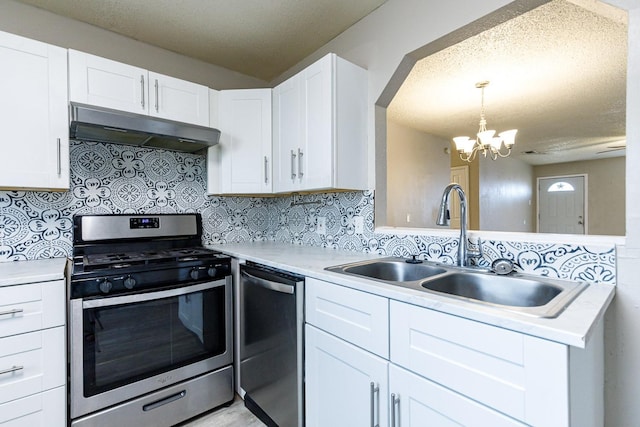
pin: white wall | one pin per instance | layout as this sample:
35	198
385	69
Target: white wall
622	323
379	42
38	24
418	171
506	195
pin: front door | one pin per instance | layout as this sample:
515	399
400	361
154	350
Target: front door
561	205
459	175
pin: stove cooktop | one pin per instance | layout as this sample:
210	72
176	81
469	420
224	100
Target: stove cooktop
141	258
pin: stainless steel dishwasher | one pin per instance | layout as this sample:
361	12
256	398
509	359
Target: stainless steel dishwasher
271	344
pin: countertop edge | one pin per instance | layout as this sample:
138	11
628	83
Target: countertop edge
573	326
32	271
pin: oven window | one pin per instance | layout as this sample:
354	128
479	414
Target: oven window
125	343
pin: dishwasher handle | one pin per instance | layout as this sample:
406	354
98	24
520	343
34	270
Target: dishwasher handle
269	284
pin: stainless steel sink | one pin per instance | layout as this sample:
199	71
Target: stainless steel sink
389	270
495	289
531	295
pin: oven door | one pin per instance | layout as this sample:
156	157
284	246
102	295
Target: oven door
124	346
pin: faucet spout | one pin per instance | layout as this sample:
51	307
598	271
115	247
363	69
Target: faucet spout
443	219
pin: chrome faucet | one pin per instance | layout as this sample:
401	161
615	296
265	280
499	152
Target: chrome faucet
464	254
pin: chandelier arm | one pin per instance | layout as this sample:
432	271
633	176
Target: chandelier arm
505	154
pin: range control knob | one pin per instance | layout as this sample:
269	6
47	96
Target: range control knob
129	282
105	286
212	271
194	274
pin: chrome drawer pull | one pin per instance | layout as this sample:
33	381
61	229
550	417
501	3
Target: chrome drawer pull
59	152
12	312
157	102
162	402
12	369
300	172
293	164
374	389
142	91
395	400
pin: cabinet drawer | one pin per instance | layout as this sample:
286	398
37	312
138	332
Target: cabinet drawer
46	409
32	363
26	308
357	317
522	376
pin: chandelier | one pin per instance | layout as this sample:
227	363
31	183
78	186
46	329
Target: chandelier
486	143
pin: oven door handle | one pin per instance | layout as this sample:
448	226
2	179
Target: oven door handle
150	296
269	284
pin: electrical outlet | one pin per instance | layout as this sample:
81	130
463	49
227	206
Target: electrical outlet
358	224
321	225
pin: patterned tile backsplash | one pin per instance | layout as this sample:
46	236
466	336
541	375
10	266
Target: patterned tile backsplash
109	178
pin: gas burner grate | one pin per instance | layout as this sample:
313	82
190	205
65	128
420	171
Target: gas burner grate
129	259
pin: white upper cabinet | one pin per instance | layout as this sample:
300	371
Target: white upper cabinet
34	146
102	82
242	162
319	135
178	100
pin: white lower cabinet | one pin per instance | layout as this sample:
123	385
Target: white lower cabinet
345	385
418	402
439	370
33	351
44	409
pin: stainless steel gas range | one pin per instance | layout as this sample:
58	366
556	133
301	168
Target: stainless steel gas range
150	336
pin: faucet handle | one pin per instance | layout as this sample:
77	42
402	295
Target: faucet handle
477	253
413	260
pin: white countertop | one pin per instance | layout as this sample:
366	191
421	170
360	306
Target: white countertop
572	327
40	270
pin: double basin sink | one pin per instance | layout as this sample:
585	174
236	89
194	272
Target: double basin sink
531	295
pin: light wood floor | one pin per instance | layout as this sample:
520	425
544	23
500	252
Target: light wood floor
235	415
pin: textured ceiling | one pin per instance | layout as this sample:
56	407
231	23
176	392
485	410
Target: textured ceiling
258	38
557	73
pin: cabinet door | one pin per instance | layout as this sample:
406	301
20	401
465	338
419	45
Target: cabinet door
178	100
34	145
46	409
245	141
338	383
102	82
417	402
522	376
316	153
287	134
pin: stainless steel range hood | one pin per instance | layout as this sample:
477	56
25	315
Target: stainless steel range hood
96	124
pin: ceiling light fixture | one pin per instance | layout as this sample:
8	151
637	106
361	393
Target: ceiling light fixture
487	143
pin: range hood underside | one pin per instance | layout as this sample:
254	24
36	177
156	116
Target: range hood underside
89	123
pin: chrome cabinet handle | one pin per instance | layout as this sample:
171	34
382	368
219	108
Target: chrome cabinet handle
394	401
157	105
266	169
11	312
12	369
374	389
142	91
59	158
293	164
300	173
